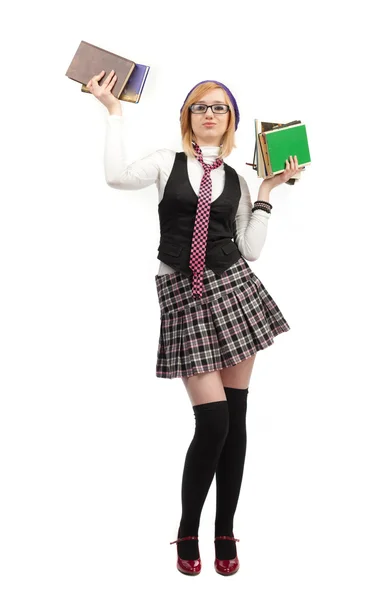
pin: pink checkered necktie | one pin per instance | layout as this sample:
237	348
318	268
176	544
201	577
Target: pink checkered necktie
200	232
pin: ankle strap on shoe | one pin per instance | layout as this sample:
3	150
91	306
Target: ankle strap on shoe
226	537
188	537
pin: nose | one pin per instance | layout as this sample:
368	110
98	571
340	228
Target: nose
209	109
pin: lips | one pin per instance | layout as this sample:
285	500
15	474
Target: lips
209	124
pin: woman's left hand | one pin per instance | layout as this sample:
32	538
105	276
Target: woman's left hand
291	169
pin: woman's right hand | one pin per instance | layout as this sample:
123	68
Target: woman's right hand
103	92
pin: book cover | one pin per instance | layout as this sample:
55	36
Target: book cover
282	142
133	89
90	60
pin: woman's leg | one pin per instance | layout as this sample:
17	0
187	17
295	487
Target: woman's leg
229	472
210	409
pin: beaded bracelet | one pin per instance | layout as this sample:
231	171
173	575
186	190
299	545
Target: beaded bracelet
261	204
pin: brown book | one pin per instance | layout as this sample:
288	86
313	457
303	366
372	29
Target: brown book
90	60
265	155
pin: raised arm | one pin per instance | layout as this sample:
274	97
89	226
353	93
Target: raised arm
119	173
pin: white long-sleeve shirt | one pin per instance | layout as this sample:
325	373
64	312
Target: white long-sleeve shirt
251	227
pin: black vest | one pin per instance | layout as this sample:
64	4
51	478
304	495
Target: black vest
177	213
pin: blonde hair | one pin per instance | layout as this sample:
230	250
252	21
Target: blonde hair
228	139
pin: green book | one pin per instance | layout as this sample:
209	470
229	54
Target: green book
282	142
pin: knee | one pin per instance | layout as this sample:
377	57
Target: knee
212	420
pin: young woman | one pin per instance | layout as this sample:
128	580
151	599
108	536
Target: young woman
215	312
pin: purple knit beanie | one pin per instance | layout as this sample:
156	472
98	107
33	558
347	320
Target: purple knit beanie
231	97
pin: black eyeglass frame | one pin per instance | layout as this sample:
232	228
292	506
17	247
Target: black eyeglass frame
209	106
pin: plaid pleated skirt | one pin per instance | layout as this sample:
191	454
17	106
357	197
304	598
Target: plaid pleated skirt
235	318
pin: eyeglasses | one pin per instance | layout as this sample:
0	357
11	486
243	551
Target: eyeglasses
217	109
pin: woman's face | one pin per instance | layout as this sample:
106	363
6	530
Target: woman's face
209	127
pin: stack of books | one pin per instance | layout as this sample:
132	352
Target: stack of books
275	143
90	60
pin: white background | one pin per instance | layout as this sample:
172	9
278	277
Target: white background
92	443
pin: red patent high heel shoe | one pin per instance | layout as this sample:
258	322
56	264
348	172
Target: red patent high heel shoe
227	566
186	566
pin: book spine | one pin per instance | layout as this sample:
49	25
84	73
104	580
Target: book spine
265	154
125	81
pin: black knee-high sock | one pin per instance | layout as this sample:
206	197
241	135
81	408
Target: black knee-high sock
199	469
229	472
